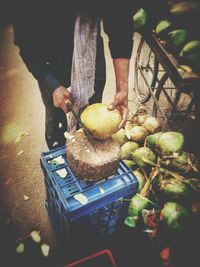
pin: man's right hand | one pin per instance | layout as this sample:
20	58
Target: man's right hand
60	95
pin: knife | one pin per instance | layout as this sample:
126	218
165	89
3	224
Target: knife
69	106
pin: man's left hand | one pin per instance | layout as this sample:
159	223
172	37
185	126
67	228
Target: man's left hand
121	103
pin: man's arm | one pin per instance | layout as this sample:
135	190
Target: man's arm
118	24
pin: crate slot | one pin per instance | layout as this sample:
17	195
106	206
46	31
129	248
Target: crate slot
85	185
70	189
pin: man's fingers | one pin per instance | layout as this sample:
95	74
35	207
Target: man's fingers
124	117
122	123
68	96
113	105
125	112
64	108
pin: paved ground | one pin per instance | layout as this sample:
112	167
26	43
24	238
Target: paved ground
22	197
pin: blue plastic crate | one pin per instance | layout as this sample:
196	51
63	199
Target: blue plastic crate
105	202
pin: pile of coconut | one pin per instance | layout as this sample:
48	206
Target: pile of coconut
169	177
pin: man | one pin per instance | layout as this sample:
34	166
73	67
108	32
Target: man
44	33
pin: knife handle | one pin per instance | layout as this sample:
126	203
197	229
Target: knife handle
69	105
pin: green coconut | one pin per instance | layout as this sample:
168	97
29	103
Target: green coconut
141	179
162	27
140	19
191	51
172	189
174	215
131	221
182	162
127	149
178	37
143	155
152	139
120	136
137	204
170	142
130	163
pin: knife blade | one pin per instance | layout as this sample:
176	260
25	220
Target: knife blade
86	131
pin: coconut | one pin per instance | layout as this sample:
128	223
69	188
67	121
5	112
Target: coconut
140	19
120	136
127	149
143	154
137	204
183	162
101	122
131	221
138	134
152	124
174	215
141	179
152	139
172	189
141	119
130	163
162	27
170	142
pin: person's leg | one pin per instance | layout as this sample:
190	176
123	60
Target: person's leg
55	121
100	73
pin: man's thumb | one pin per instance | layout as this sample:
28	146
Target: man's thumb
112	105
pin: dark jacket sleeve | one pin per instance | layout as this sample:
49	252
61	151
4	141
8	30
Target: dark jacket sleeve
31	55
118	24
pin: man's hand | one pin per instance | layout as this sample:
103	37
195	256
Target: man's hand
121	103
121	66
60	95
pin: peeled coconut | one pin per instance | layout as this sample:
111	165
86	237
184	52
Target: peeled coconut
143	154
138	134
174	215
101	122
130	163
141	179
120	136
152	124
152	139
141	119
127	149
170	142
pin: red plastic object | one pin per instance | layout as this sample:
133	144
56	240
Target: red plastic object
103	258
